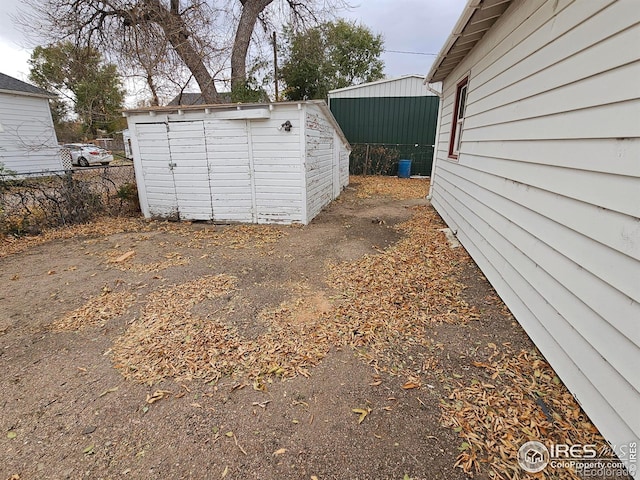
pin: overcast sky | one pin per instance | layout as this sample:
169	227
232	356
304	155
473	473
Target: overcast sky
420	26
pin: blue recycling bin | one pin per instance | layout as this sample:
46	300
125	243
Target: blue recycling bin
404	169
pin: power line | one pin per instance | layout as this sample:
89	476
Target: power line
411	53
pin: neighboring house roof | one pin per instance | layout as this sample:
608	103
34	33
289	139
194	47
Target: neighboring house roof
195	98
476	19
13	85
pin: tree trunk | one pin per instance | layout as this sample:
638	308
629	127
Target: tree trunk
250	11
177	33
155	101
194	63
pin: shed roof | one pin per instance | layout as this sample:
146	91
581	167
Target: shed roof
13	85
237	106
477	18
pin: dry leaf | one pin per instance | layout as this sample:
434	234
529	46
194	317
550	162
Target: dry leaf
109	390
362	412
280	451
235	439
410	384
157	395
124	256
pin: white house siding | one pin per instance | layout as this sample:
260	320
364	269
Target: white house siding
545	194
319	160
27	141
277	166
406	86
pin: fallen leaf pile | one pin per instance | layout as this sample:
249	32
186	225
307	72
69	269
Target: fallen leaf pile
394	187
97	310
169	340
391	299
299	336
172	259
521	399
97	228
234	237
388	299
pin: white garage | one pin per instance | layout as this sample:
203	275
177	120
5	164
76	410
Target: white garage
251	163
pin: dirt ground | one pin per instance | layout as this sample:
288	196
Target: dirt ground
67	412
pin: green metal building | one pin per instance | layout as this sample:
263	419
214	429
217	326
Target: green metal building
386	121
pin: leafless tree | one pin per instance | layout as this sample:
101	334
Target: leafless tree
271	15
174	39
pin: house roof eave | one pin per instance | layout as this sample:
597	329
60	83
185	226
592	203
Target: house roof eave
476	19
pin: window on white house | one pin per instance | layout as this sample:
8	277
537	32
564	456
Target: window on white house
458	118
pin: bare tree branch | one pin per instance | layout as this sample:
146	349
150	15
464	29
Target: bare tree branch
200	37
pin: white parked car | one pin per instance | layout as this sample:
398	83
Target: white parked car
85	154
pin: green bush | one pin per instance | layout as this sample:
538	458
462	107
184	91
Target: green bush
371	159
128	193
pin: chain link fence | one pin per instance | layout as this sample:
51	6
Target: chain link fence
34	201
383	158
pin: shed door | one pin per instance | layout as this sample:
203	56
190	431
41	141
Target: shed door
190	170
232	193
155	157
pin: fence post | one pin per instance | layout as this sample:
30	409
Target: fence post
366	163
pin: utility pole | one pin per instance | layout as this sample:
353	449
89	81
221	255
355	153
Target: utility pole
275	64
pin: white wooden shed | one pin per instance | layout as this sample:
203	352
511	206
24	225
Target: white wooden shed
28	140
537	170
252	163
